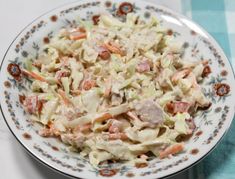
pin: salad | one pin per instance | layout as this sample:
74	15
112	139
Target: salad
116	90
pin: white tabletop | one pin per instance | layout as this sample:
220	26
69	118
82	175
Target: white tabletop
15	162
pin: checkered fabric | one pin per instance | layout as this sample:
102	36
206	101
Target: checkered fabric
218	18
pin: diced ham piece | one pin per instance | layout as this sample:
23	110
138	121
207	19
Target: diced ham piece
32	104
178	106
115	126
103	53
59	74
88	84
143	66
149	112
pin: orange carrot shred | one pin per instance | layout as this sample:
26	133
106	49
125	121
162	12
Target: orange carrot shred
64	97
114	49
176	148
104	117
33	75
108	87
77	36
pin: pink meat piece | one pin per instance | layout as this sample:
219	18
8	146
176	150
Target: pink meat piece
103	52
60	74
148	111
143	66
178	106
32	104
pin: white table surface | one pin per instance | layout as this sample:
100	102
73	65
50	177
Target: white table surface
15	162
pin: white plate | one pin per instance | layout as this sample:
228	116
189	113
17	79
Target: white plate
211	124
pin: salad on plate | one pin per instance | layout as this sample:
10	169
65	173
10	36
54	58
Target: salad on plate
116	90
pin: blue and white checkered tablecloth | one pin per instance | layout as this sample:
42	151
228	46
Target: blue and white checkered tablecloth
218	18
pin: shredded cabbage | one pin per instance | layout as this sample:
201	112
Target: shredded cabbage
115	90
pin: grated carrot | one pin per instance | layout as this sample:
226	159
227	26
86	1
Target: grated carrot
114	49
64	97
77	36
104	117
174	149
33	75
